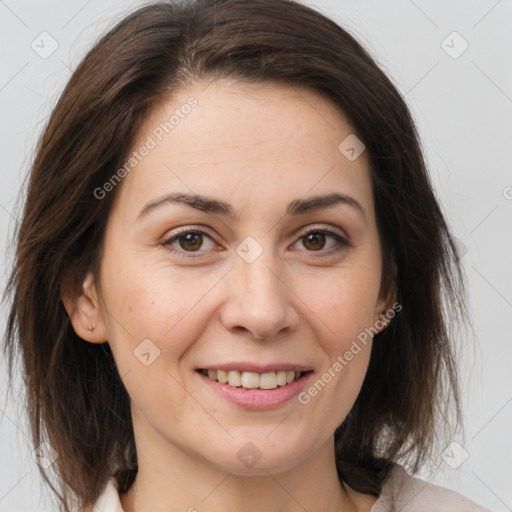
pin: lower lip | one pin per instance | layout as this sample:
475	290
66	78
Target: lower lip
258	398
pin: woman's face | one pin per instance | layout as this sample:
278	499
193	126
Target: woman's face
234	282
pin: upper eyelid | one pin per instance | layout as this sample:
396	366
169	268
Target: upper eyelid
298	233
316	227
330	231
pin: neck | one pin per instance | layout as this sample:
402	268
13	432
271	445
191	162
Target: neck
170	479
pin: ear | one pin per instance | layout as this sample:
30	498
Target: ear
82	306
386	306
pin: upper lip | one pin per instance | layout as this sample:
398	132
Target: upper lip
244	366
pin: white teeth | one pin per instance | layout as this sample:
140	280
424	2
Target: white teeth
281	378
269	380
234	378
252	380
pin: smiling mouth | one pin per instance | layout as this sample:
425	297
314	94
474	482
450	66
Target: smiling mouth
253	380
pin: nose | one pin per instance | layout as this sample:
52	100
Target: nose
260	301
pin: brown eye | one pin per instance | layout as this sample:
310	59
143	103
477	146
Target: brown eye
314	241
191	241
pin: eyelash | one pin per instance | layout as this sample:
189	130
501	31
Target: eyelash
342	242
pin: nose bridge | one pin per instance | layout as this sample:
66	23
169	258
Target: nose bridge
258	271
259	301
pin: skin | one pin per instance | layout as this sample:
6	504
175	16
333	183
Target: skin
257	148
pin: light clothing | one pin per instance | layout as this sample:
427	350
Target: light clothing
400	493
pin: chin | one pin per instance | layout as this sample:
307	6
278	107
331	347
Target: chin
258	457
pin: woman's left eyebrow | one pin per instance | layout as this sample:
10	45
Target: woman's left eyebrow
212	205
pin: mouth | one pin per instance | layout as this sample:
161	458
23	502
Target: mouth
253	380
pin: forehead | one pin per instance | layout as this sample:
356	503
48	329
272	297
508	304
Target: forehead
243	139
223	107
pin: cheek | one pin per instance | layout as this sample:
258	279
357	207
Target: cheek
342	304
149	309
331	395
343	310
144	299
147	299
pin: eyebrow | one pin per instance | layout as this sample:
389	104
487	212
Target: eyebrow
211	205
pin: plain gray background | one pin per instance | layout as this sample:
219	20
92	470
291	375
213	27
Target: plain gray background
462	104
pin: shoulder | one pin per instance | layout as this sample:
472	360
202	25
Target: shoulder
108	501
406	493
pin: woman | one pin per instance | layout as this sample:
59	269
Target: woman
229	274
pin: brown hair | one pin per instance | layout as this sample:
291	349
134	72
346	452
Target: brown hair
76	399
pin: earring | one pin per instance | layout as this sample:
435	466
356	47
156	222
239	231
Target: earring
90	329
382	317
